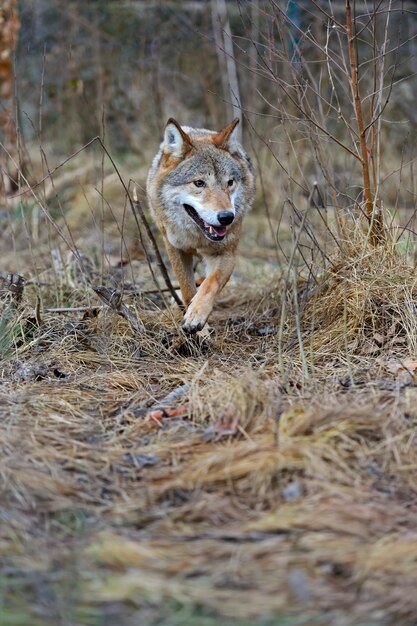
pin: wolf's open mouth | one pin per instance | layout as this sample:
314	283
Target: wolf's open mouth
214	233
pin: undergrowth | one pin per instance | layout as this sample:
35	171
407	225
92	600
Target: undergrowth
264	473
254	491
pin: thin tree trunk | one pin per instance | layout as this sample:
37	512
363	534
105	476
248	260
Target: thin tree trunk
227	63
372	212
9	28
253	54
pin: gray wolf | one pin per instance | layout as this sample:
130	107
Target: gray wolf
200	185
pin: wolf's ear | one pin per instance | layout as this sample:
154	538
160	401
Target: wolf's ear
225	138
176	141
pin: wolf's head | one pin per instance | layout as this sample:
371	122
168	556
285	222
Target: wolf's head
207	175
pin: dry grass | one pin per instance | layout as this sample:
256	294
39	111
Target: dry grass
273	497
267	474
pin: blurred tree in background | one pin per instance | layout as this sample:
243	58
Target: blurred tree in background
13	158
120	69
116	70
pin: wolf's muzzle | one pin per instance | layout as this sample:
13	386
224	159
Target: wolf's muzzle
225	217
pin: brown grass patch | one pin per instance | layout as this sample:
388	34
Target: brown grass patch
268	493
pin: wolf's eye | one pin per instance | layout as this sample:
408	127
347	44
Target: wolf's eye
231	182
199	183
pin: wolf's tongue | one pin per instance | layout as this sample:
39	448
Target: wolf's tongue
220	230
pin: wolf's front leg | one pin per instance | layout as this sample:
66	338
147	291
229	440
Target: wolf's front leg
219	270
182	264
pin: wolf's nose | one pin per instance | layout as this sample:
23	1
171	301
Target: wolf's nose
225	217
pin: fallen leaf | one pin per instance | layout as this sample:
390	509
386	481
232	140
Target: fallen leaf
410	364
396	367
379	339
157	415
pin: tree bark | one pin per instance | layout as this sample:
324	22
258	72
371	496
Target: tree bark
373	213
9	29
227	63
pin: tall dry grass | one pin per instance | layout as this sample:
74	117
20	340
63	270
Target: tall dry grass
263	474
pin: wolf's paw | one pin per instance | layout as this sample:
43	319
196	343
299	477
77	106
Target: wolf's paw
193	322
191	327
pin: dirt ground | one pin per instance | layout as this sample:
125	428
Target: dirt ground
265	474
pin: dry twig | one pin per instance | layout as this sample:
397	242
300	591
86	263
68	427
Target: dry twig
113	299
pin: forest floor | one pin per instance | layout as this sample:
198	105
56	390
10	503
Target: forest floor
265	474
